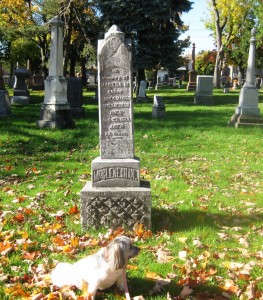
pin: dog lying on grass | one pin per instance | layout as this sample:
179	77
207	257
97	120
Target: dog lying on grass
98	271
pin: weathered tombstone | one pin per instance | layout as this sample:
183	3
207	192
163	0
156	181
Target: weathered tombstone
150	83
55	111
5	108
2	83
191	86
204	90
158	108
159	82
142	91
247	112
21	92
75	99
37	83
116	196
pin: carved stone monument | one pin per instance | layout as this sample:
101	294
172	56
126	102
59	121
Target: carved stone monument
5	107
158	108
21	92
116	196
204	90
247	112
75	99
142	91
55	111
191	86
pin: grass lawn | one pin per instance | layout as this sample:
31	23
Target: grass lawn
207	197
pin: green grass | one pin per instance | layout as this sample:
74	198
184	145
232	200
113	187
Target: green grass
207	196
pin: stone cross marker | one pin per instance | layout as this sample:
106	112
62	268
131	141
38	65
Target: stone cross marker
116	196
247	112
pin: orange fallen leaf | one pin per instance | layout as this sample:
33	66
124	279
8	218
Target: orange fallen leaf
20	218
58	241
74	242
74	210
30	255
68	249
5	247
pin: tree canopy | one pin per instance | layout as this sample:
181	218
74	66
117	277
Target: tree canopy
231	22
153	27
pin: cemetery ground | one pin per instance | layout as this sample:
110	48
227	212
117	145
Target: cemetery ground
207	201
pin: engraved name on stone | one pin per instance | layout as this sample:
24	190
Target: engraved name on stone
115	172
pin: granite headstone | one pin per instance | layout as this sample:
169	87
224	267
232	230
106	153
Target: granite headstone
204	90
158	108
116	196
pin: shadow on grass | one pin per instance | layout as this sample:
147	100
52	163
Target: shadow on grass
139	286
174	220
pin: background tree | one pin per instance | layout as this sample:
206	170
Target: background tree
28	20
226	22
154	30
205	62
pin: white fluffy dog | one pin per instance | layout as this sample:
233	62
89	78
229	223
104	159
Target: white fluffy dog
98	271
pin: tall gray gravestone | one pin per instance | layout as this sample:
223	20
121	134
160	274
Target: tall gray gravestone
142	91
204	90
116	196
55	111
75	99
247	112
5	105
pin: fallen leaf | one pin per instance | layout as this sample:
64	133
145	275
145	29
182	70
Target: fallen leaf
186	291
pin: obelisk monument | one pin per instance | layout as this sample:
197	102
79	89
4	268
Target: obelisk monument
55	111
247	112
191	86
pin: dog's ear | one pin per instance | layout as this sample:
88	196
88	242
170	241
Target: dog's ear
114	254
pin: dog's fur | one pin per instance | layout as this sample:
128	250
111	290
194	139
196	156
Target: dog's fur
98	271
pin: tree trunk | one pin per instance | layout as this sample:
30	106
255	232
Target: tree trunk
83	72
72	67
218	67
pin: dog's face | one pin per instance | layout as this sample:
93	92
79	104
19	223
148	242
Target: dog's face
119	251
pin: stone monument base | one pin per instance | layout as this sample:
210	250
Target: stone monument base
238	120
114	207
5	107
23	100
158	111
55	116
21	92
191	86
77	112
203	99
